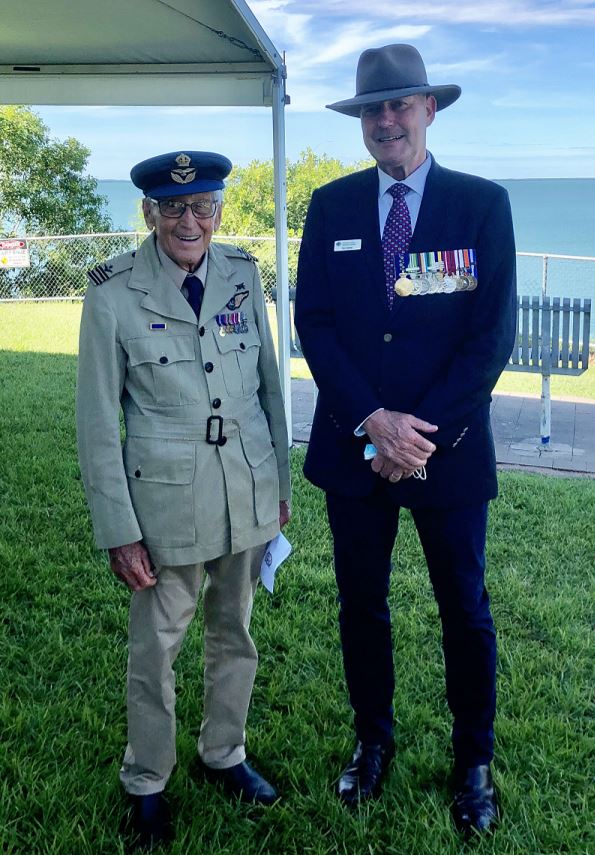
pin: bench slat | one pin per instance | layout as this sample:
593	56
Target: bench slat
586	333
565	330
555	334
525	345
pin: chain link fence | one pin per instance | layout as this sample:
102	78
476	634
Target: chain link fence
59	264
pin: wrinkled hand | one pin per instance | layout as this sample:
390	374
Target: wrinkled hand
400	447
131	564
387	469
284	513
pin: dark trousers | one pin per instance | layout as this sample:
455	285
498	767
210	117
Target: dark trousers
453	540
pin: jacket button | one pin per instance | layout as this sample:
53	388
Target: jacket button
388	337
242	346
163	360
222	441
201	331
137	473
216	403
208	367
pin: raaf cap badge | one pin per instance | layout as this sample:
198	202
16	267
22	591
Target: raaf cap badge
185	173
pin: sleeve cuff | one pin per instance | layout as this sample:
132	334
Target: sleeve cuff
359	431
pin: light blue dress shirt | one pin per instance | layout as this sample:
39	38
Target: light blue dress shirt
416	183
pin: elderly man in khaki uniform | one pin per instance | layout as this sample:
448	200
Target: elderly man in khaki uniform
176	336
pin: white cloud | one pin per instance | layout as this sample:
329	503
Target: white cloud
504	13
464	66
283	26
355	38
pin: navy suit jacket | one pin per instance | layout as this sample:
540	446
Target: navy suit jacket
437	356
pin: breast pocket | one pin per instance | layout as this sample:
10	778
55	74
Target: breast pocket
162	370
239	362
160	474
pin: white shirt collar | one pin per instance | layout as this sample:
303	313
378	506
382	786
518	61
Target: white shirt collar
416	181
177	273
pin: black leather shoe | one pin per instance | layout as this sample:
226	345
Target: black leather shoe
475	807
362	779
244	782
149	824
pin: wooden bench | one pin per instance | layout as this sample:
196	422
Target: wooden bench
552	338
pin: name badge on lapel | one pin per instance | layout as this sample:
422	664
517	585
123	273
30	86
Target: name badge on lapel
348	245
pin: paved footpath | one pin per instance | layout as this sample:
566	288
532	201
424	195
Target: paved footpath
515	423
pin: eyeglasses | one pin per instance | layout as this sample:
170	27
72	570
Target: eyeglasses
174	208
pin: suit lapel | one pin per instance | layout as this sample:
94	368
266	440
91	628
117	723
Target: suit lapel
432	213
372	271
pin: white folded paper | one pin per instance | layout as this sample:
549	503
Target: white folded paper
276	552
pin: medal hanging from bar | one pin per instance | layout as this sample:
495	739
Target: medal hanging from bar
403	285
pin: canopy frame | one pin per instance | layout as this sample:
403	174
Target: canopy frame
243	69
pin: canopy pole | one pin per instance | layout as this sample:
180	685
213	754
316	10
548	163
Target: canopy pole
283	319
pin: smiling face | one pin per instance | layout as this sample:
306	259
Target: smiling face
395	132
184	240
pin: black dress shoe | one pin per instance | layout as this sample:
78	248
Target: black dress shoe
475	807
244	782
149	824
362	779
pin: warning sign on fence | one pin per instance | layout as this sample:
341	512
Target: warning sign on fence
14	253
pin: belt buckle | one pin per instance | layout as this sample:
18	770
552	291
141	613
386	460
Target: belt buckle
219	439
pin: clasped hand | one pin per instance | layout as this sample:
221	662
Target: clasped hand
400	447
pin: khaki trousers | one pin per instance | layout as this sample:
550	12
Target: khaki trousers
159	618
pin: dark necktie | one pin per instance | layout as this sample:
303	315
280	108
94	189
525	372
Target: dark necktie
195	292
396	238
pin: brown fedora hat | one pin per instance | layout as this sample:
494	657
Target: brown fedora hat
390	72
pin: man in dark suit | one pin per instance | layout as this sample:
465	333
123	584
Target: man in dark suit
406	314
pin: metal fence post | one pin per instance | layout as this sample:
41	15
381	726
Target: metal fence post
546	360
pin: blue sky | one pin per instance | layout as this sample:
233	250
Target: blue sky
526	67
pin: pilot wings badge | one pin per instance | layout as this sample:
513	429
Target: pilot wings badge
237	300
185	173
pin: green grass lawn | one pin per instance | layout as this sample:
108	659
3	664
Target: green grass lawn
63	661
53	328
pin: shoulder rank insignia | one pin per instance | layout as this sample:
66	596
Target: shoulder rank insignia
237	300
100	274
237	252
247	255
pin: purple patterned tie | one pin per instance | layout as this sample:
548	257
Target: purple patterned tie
395	237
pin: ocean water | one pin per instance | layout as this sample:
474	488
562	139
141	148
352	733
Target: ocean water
551	216
123	204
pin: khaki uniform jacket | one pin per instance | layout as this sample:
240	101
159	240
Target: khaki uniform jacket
143	351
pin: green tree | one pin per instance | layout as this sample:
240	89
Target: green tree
249	196
43	190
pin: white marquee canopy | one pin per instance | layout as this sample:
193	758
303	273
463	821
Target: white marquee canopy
152	53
